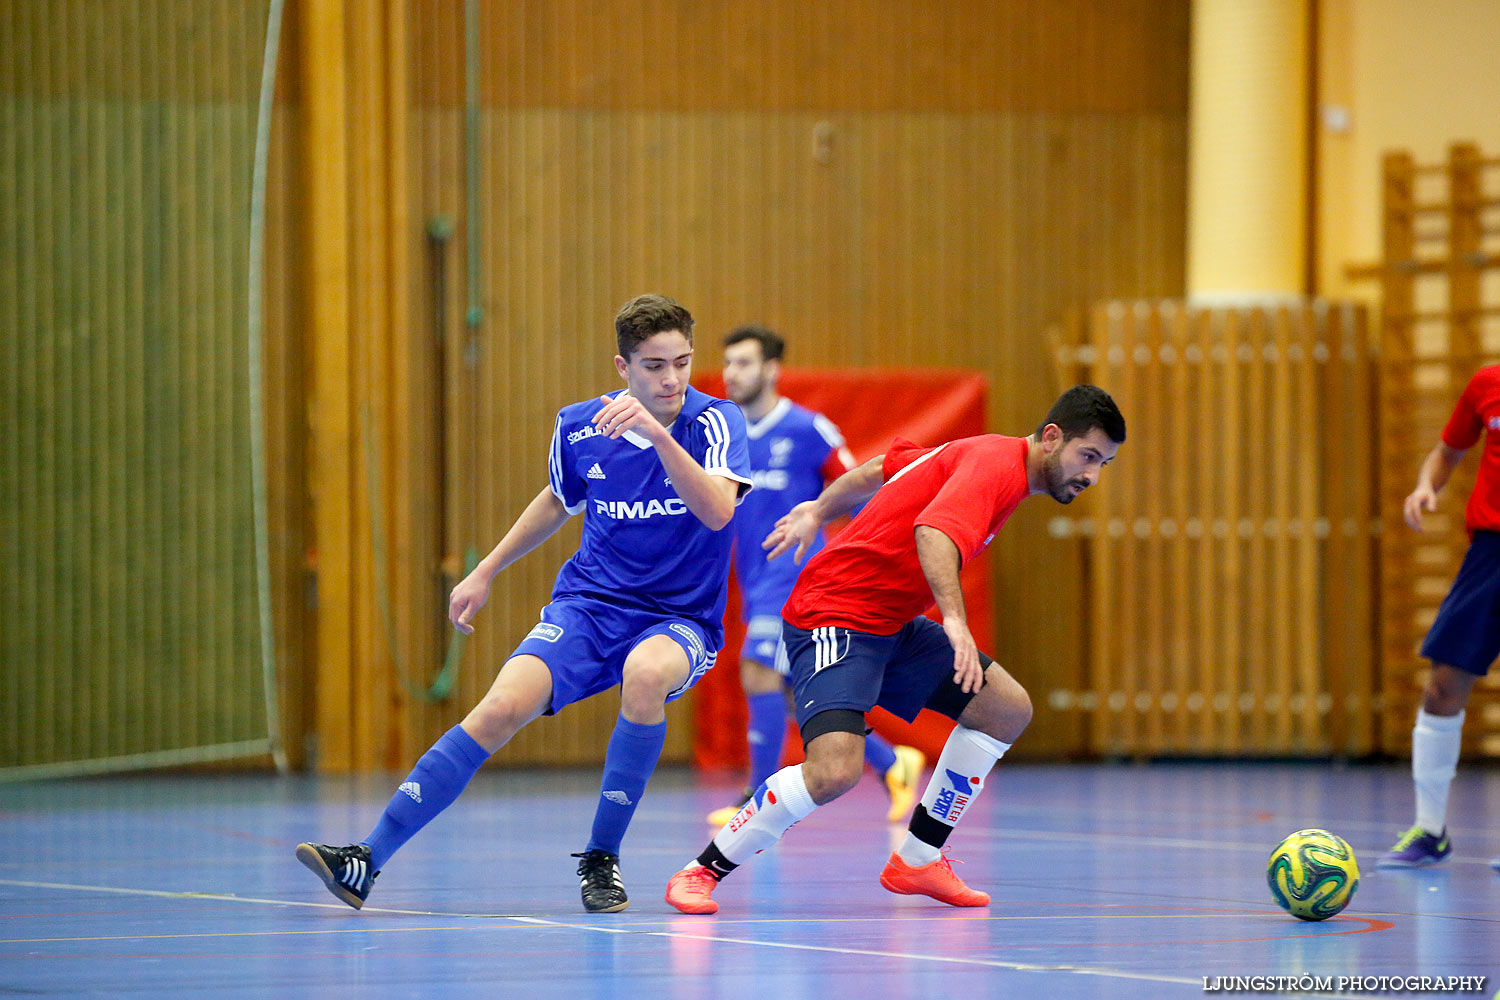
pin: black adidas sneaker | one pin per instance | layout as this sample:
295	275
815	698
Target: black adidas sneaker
599	882
345	870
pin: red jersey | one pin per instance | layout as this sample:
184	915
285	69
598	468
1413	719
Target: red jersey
869	578
1478	411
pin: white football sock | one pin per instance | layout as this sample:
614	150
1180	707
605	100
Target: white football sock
781	801
1435	744
957	780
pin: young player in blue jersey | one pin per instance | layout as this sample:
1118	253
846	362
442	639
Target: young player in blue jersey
794	453
657	470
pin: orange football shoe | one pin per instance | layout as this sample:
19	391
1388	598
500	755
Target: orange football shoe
691	890
936	880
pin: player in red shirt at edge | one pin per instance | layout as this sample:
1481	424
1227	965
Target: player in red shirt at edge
1465	636
854	636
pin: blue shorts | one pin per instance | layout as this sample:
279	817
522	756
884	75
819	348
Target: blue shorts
584	644
760	609
1466	632
839	668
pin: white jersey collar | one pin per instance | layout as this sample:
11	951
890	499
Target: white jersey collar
762	426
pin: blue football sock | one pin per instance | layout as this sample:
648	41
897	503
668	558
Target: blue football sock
628	763
878	753
766	733
433	784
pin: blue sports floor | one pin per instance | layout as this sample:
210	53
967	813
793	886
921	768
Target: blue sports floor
1116	881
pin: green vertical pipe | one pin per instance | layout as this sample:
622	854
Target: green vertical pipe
255	348
220	398
474	316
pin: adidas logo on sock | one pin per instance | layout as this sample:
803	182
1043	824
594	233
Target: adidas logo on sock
413	789
618	798
595	472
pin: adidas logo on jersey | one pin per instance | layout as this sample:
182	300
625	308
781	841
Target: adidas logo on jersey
617	797
595	472
413	789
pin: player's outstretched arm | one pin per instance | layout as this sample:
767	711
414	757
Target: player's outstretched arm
940	564
1437	467
537	523
799	527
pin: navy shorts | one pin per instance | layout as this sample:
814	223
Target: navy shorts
584	644
839	668
1466	632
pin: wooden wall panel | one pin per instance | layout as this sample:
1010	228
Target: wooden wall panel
1045	56
888	187
128	585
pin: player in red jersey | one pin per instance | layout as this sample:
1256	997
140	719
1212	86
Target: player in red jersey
854	637
1465	637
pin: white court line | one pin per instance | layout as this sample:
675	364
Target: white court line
1082	970
230	898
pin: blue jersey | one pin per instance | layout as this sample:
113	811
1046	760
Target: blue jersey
642	548
790	452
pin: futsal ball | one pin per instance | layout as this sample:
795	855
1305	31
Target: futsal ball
1312	874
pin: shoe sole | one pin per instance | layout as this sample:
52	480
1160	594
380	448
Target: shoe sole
607	909
902	891
695	909
1399	865
701	912
313	861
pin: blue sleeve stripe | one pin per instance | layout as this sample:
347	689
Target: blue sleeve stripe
554	456
717	454
554	468
829	431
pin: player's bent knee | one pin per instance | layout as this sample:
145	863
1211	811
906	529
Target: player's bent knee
1447	690
756	678
1002	709
651	680
497	718
835	762
829	779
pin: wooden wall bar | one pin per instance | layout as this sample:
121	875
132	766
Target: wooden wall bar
1440	321
1231	547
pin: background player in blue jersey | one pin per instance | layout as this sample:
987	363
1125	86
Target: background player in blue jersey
794	453
657	470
